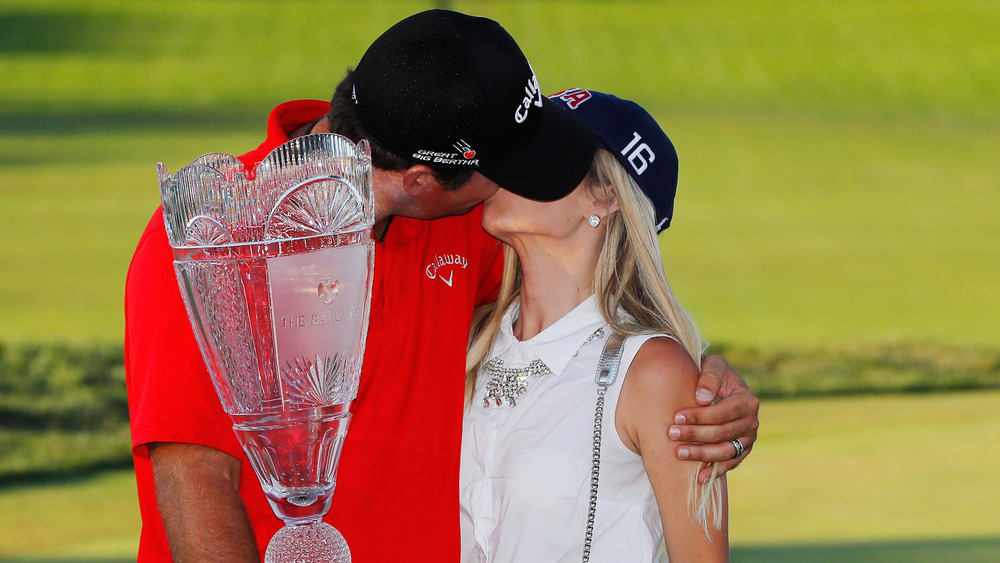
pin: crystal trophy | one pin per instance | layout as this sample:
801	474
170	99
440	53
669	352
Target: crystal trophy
275	267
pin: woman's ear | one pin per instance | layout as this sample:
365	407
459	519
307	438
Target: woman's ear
613	204
419	179
604	202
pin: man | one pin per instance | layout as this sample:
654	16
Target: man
397	495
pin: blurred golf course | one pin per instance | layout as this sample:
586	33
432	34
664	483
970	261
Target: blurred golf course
839	188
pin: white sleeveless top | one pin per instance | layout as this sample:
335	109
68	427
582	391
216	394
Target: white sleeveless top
525	473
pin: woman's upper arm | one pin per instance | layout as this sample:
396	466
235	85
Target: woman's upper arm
661	380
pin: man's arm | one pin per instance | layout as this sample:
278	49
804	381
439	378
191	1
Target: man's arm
197	492
707	430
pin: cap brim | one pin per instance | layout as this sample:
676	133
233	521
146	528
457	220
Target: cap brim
553	163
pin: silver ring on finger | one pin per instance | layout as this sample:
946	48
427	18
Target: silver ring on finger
739	447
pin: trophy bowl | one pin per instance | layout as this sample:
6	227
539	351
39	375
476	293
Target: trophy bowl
275	268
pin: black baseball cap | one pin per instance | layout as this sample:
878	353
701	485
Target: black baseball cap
627	131
455	91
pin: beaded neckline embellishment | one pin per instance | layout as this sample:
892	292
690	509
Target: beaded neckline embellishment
510	384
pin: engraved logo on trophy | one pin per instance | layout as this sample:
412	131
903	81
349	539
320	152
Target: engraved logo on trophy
328	290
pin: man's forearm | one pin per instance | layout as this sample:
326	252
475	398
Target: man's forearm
197	492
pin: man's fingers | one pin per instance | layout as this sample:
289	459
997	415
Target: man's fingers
713	369
717	452
706	452
728	409
711	434
733	407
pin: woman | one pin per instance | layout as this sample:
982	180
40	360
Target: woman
578	270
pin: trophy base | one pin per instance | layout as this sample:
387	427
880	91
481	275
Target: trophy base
308	543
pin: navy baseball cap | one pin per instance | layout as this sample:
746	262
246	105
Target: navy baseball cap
455	91
637	141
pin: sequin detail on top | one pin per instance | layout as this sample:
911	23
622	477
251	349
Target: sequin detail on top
511	383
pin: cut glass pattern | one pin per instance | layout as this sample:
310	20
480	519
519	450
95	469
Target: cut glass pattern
318	381
320	182
320	206
206	231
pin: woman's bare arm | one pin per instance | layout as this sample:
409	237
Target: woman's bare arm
663	375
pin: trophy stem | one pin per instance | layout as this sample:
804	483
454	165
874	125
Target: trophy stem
318	542
295	455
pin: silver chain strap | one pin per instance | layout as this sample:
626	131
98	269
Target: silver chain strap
607	372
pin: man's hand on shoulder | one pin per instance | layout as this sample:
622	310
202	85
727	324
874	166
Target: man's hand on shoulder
727	412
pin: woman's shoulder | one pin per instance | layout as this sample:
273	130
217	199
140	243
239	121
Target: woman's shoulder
663	370
661	354
660	381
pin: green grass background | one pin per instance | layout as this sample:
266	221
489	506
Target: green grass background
839	168
840	184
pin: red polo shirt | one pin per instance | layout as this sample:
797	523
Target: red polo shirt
397	486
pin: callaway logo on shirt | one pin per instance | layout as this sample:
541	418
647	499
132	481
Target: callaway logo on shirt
443	267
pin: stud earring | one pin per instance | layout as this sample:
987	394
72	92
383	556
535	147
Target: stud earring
593	221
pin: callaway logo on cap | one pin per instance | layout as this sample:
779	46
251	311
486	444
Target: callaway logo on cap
637	141
452	90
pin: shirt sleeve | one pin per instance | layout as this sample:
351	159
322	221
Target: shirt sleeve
171	396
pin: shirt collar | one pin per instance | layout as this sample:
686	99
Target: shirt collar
558	343
289	116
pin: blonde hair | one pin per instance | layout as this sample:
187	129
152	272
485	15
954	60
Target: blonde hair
629	279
